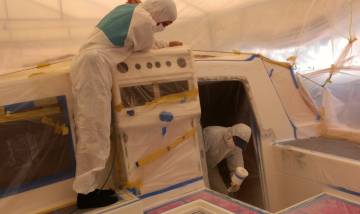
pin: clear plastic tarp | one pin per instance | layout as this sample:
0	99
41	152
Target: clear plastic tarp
158	118
334	92
36	132
318	37
311	30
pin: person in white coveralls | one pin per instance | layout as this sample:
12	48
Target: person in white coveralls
226	143
126	29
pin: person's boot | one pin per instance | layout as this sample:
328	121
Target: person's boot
108	191
96	198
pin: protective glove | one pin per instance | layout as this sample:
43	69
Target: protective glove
237	178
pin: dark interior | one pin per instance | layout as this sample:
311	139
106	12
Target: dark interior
225	103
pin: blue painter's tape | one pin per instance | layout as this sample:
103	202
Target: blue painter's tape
35	184
163	131
134	191
251	58
175	186
292	73
287	114
271	72
13	108
63	103
166	116
294	128
58	176
130	113
343	189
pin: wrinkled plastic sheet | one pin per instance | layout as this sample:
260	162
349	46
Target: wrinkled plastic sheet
324	204
158	121
212	197
36	145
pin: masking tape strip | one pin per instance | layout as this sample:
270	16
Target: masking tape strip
59	128
163	151
173	98
35	74
2	110
282	64
29	114
136	184
41	65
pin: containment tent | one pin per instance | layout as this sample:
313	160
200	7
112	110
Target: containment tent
287	69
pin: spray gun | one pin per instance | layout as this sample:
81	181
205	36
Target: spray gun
237	178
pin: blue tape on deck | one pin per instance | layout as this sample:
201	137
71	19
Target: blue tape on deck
175	186
343	189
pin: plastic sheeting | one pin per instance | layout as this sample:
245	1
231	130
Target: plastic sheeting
37	144
311	33
311	30
157	115
303	118
335	93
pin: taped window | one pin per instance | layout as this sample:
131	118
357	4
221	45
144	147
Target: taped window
36	141
176	87
137	95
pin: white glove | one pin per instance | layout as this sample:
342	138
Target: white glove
237	178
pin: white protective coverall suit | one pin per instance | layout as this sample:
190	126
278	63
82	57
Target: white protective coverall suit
219	145
126	29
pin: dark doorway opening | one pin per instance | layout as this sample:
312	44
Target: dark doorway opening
226	103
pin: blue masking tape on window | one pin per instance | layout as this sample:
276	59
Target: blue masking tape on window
58	176
13	108
63	103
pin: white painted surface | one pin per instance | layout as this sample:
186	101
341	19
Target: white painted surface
27	86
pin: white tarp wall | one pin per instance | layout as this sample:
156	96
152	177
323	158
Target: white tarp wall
33	30
335	93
